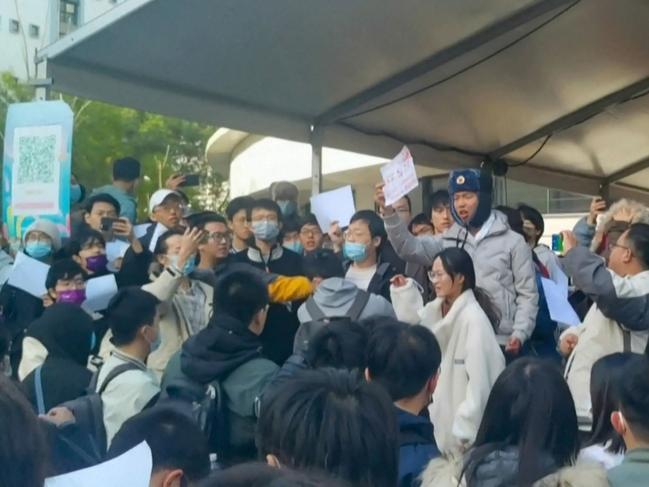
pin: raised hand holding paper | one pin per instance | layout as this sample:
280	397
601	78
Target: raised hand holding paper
29	275
399	176
99	291
333	206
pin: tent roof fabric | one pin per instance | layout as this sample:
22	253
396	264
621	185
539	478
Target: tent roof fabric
555	87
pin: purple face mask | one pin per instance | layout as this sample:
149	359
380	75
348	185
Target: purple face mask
97	263
75	296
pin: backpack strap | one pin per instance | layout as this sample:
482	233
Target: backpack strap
360	301
38	387
314	310
120	369
626	337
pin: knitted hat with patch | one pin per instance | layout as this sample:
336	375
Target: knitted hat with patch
474	181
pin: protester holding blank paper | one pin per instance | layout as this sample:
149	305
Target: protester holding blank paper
502	259
620	290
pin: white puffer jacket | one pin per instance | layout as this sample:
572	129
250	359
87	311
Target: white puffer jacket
471	362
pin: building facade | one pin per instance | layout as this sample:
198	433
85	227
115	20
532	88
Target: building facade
28	25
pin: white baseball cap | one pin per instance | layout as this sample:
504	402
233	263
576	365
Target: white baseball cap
159	196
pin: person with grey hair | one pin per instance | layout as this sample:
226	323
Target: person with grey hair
285	194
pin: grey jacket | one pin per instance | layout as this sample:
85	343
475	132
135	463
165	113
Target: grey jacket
334	296
503	265
590	274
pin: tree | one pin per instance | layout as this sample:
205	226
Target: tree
104	132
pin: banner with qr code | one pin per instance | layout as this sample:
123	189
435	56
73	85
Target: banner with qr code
36	167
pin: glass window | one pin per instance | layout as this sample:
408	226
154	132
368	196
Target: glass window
34	30
14	26
69	16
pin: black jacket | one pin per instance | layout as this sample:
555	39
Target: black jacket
19	309
135	267
282	322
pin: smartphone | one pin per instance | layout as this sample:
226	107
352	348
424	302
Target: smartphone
107	223
557	242
191	180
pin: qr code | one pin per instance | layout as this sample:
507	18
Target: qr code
36	159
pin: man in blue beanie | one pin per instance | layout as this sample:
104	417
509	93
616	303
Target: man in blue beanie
503	261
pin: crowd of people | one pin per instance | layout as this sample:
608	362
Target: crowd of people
257	348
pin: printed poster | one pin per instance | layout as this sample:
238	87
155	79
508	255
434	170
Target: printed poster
36	166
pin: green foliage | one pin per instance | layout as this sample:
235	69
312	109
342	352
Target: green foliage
103	133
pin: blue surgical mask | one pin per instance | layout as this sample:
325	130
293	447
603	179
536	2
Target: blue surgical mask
265	230
189	266
355	252
75	193
38	249
287	207
296	246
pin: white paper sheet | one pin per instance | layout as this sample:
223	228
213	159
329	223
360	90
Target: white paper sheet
157	231
29	275
140	230
399	176
99	291
131	469
332	206
558	305
116	249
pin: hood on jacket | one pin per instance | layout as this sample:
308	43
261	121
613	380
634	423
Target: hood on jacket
335	292
65	330
219	349
458	232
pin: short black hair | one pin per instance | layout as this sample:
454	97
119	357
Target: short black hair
199	220
322	263
633	390
638	237
240	294
309	219
264	204
373	221
238	204
102	198
63	269
126	169
176	442
514	219
419	219
291	224
353	420
532	214
407	198
161	245
439	199
128	311
402	358
340	344
85	237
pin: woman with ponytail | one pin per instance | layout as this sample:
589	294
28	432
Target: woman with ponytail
464	321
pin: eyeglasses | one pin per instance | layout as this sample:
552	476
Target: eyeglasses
435	275
219	237
611	245
310	232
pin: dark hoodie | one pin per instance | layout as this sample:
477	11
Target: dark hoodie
219	349
65	330
228	352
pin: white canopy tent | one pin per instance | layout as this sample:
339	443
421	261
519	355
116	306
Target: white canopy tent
553	87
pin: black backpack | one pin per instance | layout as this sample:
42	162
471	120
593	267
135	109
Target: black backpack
204	404
308	330
88	410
